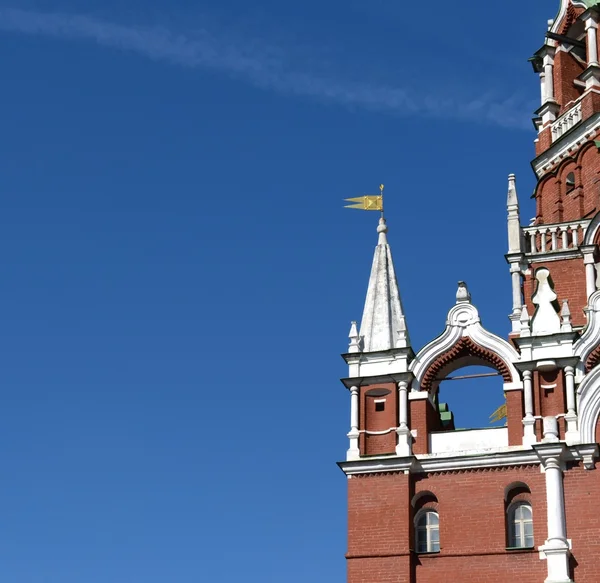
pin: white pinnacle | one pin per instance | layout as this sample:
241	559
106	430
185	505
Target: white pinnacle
383	325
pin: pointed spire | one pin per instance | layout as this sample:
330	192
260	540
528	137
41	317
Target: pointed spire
565	318
514	219
383	324
354	338
512	199
525	322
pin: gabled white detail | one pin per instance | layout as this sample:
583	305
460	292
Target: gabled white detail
383	325
546	319
589	405
591	335
463	321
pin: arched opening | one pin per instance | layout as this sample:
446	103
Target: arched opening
570	182
519	516
426	521
473	395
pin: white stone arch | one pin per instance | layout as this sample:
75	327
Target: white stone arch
590	339
592	230
464	322
589	406
562	12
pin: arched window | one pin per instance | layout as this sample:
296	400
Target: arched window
427	531
520	524
570	181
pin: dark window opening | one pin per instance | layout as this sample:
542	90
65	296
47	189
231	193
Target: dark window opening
570	181
380	406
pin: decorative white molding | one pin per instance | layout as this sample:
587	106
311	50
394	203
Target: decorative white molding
589	405
566	121
563	148
590	338
463	321
591	230
440	463
470	440
555	237
546	320
564	6
425	463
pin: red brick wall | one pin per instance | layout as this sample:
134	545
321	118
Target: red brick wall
556	202
514	417
566	70
569	283
582	492
472	528
379	528
589	162
373	420
424	418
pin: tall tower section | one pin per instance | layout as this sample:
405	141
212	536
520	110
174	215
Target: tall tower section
563	236
429	502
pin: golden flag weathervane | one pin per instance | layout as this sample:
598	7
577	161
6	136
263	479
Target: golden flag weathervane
369	202
499	414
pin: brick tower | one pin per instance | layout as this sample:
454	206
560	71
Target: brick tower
428	503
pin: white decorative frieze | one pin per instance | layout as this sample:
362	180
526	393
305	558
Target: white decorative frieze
555	237
566	121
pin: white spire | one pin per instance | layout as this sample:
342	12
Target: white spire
565	318
354	338
514	220
383	325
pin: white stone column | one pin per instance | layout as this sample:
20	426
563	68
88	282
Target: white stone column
543	87
556	547
590	270
572	435
515	272
591	27
354	451
529	437
404	446
549	77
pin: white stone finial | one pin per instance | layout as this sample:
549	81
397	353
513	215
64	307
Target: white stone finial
565	318
512	190
382	229
462	294
354	338
514	218
524	321
546	319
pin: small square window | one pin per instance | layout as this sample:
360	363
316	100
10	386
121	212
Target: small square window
379	405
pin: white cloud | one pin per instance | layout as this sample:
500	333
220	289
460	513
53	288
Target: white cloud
264	67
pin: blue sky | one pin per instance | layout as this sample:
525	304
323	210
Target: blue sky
178	275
